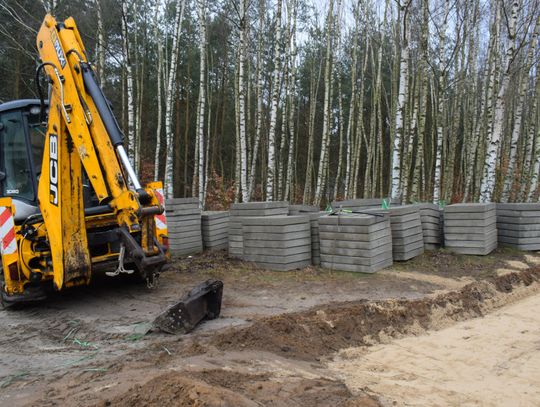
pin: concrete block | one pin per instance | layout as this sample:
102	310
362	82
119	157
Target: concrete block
260	212
519	233
519	206
357	268
284	230
469	207
359	261
470	223
278	259
517	226
260	205
302	209
354	237
365	253
353	229
484	251
469	216
277	244
276	236
522	240
352	220
345	244
408	255
479	237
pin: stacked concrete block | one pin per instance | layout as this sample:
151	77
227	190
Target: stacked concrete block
470	228
407	235
356	242
277	242
432	227
215	226
250	209
302	209
361	204
184	226
315	237
518	225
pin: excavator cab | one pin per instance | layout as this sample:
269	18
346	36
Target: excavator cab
22	140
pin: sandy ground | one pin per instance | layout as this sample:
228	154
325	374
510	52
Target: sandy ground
270	347
489	361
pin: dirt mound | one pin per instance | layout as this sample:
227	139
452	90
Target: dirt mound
327	329
224	388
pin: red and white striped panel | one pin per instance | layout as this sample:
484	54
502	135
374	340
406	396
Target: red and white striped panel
8	243
161	220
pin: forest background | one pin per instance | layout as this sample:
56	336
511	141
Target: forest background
310	101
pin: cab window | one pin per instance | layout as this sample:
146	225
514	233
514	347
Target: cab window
14	157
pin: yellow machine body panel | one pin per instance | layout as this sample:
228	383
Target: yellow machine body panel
93	212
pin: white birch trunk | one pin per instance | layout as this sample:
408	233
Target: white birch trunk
169	95
518	115
201	104
129	86
400	110
437	181
159	84
326	113
271	167
242	101
488	181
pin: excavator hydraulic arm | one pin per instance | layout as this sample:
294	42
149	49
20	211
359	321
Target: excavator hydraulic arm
83	137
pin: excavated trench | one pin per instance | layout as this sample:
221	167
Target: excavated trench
314	337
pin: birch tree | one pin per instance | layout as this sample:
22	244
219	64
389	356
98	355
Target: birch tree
169	95
401	99
488	181
271	166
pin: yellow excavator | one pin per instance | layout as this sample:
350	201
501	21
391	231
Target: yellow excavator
71	203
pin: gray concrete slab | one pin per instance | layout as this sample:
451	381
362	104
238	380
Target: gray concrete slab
275	220
520	220
469	243
186	223
284	267
275	244
519	206
469	207
407	247
469	216
470	223
519	214
352	219
354	229
404	210
359	261
284	230
357	268
411	217
276	236
519	240
261	205
278	259
182	211
259	212
479	237
408	255
174	234
302	209
354	237
518	233
408	233
265	251
518	226
474	251
211	215
356	245
524	247
366	253
431	246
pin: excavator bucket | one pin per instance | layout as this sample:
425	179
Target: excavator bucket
202	302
